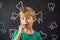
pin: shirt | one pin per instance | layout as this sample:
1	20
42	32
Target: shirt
26	36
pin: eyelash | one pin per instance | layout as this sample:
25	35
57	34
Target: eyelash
22	18
29	18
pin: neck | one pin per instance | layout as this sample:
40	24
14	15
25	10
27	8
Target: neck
31	31
28	29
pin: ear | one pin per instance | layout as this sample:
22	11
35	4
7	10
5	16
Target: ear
34	20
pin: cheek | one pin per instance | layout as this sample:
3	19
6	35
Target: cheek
22	21
30	20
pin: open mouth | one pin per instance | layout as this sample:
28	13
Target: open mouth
26	24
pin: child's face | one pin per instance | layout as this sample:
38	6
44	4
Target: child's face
27	21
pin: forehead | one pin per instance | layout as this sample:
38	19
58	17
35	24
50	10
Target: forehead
27	15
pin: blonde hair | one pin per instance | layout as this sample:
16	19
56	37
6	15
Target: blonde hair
27	11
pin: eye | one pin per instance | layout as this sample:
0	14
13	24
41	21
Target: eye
22	18
28	17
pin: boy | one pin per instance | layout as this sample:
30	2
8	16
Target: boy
26	32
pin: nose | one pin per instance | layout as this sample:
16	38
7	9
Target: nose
26	20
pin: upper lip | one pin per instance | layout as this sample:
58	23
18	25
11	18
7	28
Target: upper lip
26	24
